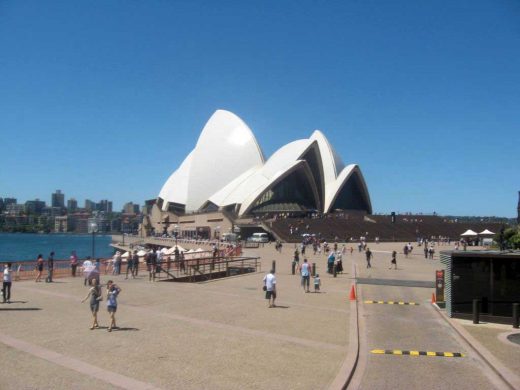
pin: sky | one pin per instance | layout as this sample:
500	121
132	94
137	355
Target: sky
104	99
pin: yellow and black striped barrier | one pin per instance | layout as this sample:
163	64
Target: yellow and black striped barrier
393	303
415	353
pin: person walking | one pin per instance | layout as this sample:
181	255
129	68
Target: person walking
39	268
135	262
7	281
50	268
270	288
369	256
394	260
129	265
425	251
152	258
73	263
95	297
317	283
112	294
305	271
117	263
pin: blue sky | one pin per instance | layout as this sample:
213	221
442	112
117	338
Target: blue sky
104	99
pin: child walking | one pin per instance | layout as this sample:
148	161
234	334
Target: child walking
317	283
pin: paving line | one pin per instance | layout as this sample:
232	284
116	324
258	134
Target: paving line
76	364
416	353
394	303
217	325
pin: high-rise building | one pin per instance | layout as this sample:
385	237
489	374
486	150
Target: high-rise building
104	205
63	224
128	208
136	209
8	201
34	206
58	199
89	205
72	205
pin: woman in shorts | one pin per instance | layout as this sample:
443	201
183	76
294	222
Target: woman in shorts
39	268
112	293
95	296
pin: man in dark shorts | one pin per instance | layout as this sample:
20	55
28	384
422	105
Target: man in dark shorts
270	288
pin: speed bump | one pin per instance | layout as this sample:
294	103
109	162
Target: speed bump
415	353
393	303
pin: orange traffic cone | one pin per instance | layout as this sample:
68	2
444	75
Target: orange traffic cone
433	298
353	293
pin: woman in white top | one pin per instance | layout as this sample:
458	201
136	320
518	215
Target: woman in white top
6	287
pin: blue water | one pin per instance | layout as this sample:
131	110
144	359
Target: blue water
25	246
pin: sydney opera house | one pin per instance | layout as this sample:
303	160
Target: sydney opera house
227	172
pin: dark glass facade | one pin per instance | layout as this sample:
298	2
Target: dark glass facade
351	196
494	279
293	193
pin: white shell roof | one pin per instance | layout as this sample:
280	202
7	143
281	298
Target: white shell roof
227	167
224	141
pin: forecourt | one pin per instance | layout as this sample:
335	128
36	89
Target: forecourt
221	335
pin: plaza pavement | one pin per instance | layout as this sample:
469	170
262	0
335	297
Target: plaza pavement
221	335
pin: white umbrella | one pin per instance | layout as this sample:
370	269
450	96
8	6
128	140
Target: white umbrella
164	250
468	233
486	232
141	253
171	251
125	255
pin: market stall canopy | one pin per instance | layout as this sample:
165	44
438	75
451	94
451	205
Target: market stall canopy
469	232
126	254
142	253
486	232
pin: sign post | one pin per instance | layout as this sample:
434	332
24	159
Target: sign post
439	285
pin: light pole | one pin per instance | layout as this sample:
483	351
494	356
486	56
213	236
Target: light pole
93	228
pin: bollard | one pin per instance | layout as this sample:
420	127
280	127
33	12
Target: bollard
313	269
293	267
476	311
274	266
334	271
516	315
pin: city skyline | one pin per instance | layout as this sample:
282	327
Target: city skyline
105	101
72	203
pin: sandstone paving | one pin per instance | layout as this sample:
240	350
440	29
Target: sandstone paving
488	335
217	335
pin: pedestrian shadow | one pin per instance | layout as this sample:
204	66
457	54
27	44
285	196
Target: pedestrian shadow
117	329
281	307
18	302
19	308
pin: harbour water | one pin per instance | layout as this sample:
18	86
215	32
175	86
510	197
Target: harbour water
26	246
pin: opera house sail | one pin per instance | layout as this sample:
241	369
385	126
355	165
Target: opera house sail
227	171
